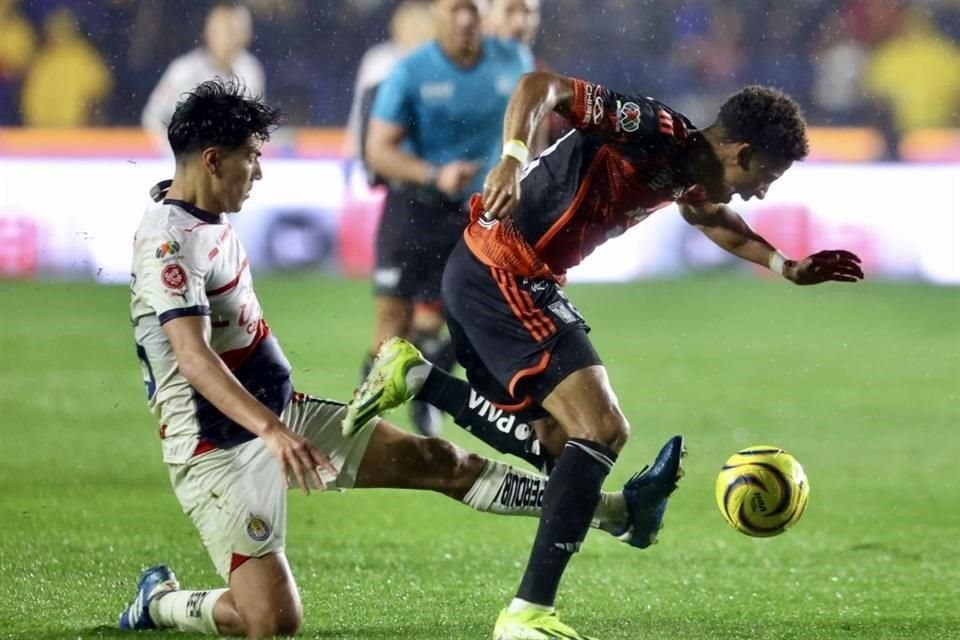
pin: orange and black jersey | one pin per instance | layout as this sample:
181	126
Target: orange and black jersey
625	159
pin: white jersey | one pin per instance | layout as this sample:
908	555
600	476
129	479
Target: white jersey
187	261
185	73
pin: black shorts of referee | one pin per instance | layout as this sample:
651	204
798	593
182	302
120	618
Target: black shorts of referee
418	230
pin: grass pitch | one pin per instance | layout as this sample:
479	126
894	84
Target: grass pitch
859	382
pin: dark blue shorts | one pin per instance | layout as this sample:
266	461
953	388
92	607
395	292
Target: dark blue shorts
517	338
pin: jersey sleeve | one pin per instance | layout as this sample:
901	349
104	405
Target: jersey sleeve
615	117
171	276
393	103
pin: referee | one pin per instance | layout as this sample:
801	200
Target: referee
434	133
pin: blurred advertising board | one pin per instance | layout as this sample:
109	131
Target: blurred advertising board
73	216
902	219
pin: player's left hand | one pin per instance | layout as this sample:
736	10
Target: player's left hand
835	265
501	189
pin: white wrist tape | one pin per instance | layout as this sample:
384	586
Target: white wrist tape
776	262
516	149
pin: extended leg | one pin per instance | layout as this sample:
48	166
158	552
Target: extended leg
395	459
400	373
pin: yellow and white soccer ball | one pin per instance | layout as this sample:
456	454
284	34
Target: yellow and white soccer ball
762	491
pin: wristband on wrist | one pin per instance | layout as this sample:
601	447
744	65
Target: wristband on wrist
517	150
776	262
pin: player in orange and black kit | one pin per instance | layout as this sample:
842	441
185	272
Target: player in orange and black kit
524	345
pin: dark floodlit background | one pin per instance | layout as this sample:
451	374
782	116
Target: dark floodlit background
828	53
879	81
860	382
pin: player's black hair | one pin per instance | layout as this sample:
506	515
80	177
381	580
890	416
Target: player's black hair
768	119
219	113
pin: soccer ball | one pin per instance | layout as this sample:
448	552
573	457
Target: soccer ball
762	491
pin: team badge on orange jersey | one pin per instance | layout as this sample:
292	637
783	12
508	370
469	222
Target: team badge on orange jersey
628	117
257	528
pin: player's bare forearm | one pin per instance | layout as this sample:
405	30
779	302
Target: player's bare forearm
208	374
190	339
387	157
394	163
728	230
537	94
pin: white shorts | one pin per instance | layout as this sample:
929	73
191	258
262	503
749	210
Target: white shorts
237	497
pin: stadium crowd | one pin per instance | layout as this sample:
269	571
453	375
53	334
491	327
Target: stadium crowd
849	62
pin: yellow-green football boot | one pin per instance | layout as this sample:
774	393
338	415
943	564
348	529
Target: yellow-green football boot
386	386
533	624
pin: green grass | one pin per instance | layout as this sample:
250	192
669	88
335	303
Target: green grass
860	383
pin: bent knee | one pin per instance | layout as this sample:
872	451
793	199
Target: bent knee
289	625
613	429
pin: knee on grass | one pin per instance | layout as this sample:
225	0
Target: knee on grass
267	622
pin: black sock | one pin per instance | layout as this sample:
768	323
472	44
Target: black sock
436	348
446	355
500	429
569	501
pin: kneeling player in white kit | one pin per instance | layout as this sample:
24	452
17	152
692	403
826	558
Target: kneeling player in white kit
234	432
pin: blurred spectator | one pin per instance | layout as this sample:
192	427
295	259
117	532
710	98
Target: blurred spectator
841	61
519	20
513	20
17	47
287	44
692	52
412	24
227	33
838	97
67	80
917	72
873	21
709	60
778	38
19	41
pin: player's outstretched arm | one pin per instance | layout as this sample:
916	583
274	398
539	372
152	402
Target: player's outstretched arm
728	230
537	94
207	373
588	107
386	155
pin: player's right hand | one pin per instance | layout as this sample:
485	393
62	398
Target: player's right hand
501	189
298	456
835	265
453	177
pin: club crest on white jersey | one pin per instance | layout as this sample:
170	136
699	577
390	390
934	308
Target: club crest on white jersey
188	262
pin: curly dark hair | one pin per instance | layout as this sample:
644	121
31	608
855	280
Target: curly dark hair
219	113
768	119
